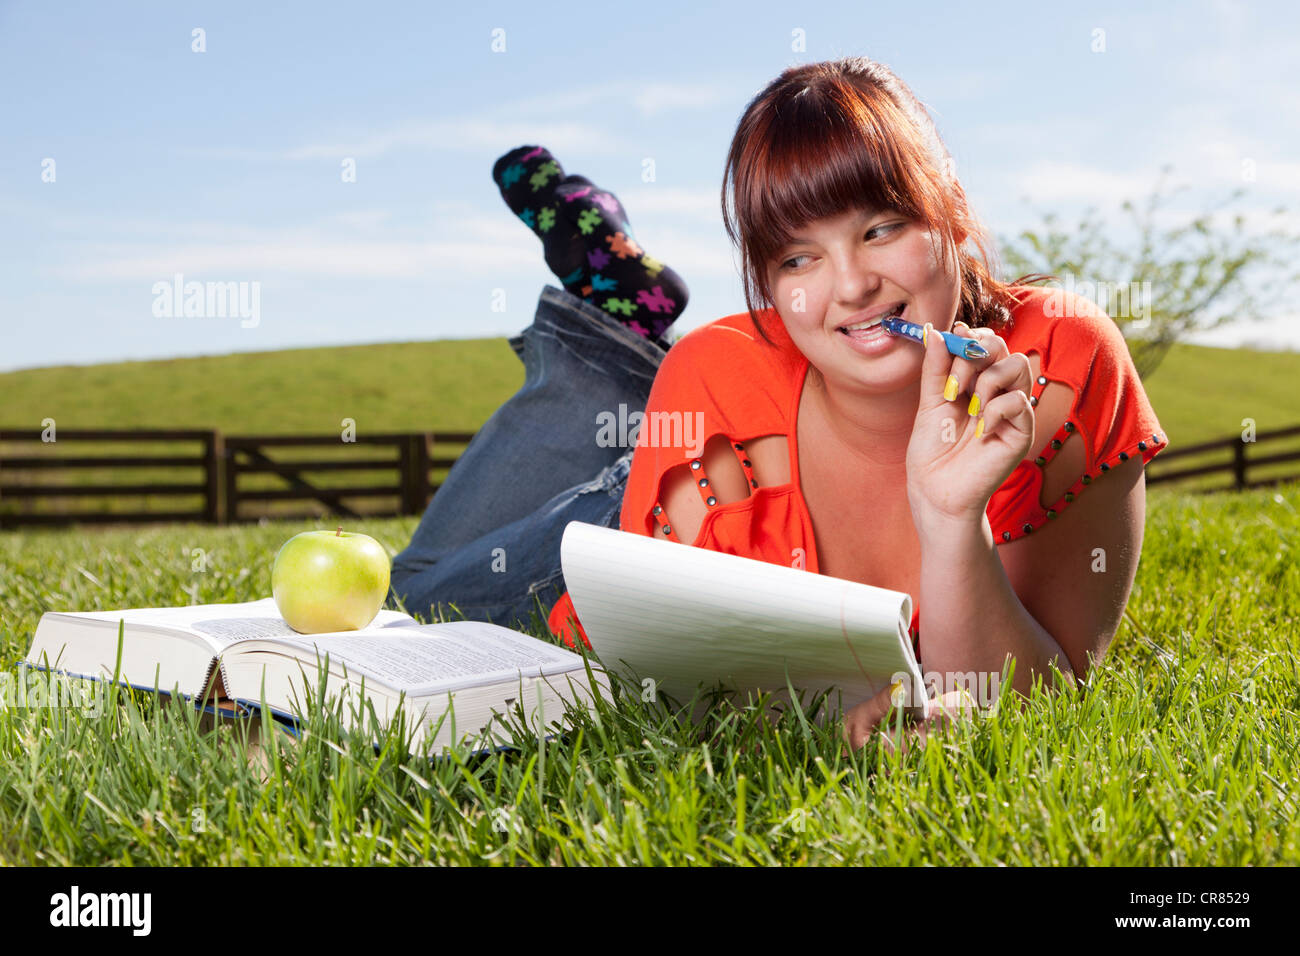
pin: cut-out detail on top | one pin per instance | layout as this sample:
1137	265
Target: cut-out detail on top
722	475
1070	439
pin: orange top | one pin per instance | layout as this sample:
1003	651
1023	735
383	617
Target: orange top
746	388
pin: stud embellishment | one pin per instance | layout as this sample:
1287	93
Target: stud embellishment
667	530
712	501
1056	443
1042	380
1142	446
1123	456
695	465
1006	535
1051	513
1069	426
1069	496
1040	461
1087	479
1027	528
1105	467
1033	402
704	482
657	510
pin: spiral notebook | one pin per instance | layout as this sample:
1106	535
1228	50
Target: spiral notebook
686	618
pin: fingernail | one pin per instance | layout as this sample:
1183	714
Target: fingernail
925	334
974	405
950	389
979	427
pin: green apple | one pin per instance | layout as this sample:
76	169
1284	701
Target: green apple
330	581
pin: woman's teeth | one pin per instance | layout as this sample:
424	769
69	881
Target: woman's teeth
872	323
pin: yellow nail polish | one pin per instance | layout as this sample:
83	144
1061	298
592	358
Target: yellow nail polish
925	334
974	405
950	389
979	427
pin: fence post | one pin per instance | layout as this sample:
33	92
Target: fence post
420	442
1239	465
405	477
214	447
231	509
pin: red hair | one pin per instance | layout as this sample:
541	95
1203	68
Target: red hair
824	138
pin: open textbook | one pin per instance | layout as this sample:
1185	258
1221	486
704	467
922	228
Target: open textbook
683	617
462	673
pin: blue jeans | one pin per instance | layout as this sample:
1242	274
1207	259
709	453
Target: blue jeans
489	541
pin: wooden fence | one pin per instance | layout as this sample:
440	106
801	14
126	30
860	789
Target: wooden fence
221	460
1237	461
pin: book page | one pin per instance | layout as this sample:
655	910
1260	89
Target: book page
221	625
681	616
431	658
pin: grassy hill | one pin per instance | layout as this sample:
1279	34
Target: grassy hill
405	386
1199	393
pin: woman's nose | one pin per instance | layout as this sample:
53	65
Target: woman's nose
855	279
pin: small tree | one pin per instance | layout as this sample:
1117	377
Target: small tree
1190	277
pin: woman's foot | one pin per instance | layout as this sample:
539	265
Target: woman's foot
588	243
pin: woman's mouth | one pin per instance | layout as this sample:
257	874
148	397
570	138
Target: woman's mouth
871	327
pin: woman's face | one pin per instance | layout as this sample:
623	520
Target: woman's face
849	269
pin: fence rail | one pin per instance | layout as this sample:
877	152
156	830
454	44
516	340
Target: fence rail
47	477
223	459
1239	462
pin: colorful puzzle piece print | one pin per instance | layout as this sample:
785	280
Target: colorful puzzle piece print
623	246
513	173
598	258
542	175
546	219
652	265
620	305
655	300
602	284
588	220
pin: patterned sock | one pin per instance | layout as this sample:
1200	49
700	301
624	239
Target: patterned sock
588	243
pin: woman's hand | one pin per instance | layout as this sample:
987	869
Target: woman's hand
874	716
952	473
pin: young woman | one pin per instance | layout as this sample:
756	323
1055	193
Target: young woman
831	446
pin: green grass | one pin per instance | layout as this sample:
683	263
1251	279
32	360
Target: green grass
1183	750
396	387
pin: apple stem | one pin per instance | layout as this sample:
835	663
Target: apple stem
339	533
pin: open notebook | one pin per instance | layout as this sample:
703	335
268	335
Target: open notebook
685	617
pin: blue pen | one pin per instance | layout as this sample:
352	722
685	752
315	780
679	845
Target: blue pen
958	345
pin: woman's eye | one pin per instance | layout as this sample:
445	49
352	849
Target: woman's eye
890	226
790	263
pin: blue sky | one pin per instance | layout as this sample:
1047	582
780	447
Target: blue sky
226	165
